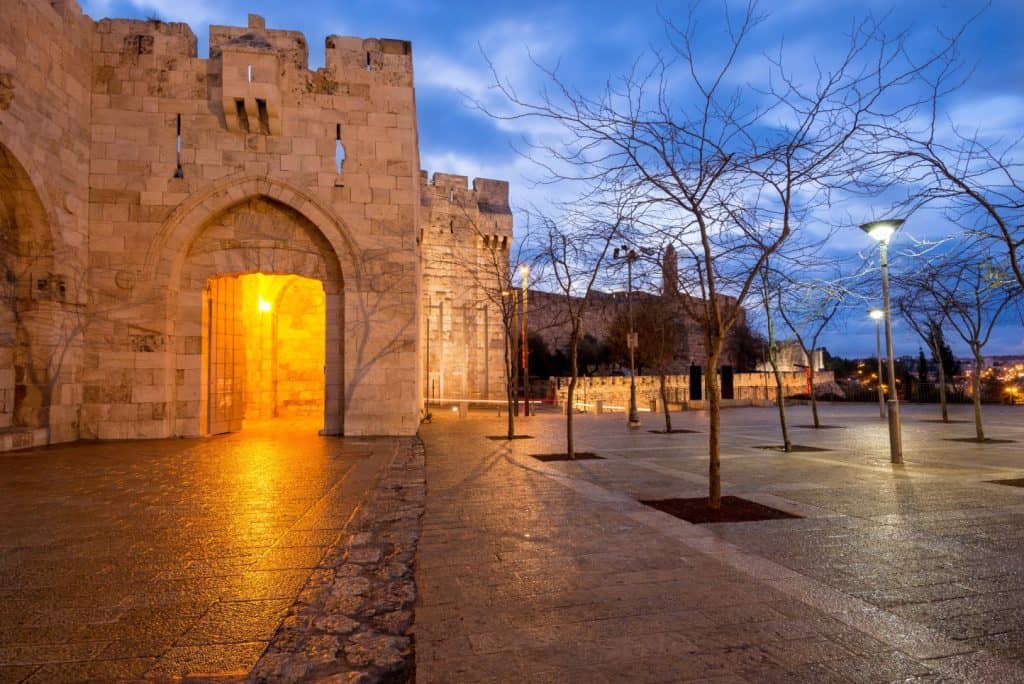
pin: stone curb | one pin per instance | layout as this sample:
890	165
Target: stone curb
352	621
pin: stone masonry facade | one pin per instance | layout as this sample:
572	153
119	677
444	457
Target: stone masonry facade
134	174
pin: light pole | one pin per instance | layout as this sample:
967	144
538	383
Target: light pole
630	256
524	277
882	231
877	315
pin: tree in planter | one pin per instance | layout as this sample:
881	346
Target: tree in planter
495	283
723	180
769	294
575	253
808	309
971	295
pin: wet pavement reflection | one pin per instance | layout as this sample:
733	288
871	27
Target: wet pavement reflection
164	558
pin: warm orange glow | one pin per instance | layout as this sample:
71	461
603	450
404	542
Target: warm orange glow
278	368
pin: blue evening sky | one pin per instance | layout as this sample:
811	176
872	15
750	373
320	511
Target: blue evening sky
592	41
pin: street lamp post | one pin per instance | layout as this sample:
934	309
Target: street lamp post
882	231
524	273
630	256
877	315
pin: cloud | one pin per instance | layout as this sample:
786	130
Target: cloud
193	12
514	48
992	115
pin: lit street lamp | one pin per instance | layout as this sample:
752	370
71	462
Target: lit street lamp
630	256
882	231
877	315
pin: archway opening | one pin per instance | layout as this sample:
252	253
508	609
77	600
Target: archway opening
263	352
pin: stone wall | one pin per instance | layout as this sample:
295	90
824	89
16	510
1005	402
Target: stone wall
549	319
613	392
45	73
134	171
466	235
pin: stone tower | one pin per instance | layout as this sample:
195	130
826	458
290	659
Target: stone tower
141	185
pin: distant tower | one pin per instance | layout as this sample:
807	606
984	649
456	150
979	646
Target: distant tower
669	272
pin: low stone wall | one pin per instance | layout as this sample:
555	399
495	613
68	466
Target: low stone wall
612	393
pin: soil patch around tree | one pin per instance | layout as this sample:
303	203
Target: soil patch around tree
580	456
822	427
673	431
940	421
1018	482
734	509
793	448
975	440
505	438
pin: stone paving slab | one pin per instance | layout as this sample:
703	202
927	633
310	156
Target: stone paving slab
554	572
175	558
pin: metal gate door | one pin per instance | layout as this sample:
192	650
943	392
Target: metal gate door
225	371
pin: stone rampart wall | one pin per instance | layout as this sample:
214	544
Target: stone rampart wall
613	392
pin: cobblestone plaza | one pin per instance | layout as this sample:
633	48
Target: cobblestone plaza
277	555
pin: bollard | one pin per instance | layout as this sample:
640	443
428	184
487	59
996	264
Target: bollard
599	406
463	409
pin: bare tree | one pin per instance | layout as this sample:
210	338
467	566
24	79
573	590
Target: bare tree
576	251
925	320
723	173
808	309
768	293
972	294
973	173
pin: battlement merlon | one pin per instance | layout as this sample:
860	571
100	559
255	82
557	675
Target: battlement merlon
145	37
490	196
352	59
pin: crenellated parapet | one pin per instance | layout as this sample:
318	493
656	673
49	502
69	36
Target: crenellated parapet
477	213
155	171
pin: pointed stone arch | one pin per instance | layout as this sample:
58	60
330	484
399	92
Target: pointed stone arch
214	235
167	252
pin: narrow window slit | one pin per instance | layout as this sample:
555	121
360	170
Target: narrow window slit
339	150
178	172
369	65
249	70
243	118
261	109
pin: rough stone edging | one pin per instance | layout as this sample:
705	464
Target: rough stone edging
352	621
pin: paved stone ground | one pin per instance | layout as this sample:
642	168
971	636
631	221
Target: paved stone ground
167	558
553	572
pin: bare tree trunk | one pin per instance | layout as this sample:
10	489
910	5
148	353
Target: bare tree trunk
570	444
978	363
780	399
714	433
510	396
664	400
814	403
